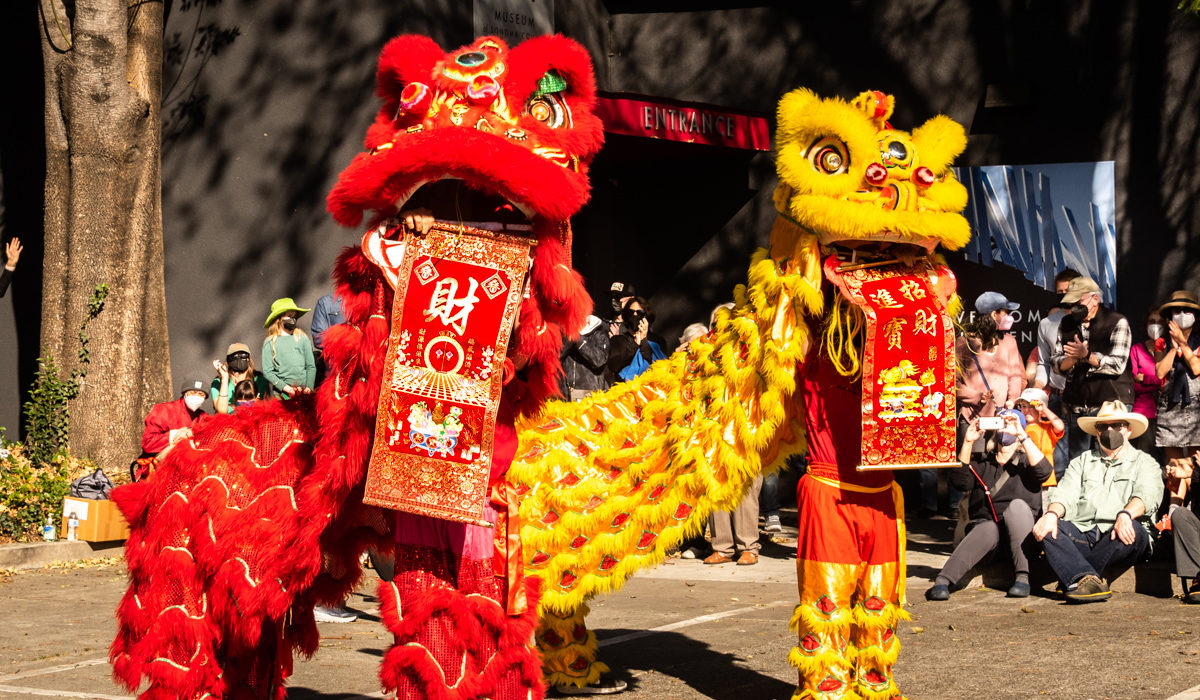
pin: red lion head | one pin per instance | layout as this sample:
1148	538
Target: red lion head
487	134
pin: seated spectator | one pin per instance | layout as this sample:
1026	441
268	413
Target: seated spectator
633	349
1043	426
12	253
1101	511
1004	488
1184	479
245	393
168	423
238	367
287	353
584	361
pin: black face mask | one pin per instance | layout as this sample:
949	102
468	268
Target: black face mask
616	305
632	318
238	363
1079	312
1111	439
289	324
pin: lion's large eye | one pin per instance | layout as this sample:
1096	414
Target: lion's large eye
829	155
547	104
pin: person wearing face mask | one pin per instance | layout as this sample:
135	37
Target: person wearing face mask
238	367
633	350
1004	485
1178	429
1146	382
168	423
1092	352
990	376
1183	480
1101	511
1047	377
287	353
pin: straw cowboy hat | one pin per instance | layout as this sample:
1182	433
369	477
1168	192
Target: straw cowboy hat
1182	300
1114	411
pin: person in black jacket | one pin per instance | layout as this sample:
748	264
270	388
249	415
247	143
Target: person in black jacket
1004	485
1184	478
12	252
584	361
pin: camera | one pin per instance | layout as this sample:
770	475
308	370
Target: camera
991	423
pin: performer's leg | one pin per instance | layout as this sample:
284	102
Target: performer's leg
877	611
568	649
823	619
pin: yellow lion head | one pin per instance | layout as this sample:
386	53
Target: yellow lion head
846	174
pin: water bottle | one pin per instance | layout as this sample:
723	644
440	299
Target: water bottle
72	527
48	530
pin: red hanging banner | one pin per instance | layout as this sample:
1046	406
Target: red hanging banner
908	363
458	292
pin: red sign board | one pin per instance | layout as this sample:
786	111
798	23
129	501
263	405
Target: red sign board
689	122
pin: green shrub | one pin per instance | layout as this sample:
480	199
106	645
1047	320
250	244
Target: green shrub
29	493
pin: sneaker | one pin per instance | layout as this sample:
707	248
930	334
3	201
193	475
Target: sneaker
337	615
1020	589
690	553
940	591
773	524
605	686
1089	589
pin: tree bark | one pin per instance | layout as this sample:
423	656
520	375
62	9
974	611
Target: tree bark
103	215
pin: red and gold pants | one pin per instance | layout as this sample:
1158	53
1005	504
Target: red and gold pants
850	564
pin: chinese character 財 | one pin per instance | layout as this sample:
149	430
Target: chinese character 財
927	322
451	310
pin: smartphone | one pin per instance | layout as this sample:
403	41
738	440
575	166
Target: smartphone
991	423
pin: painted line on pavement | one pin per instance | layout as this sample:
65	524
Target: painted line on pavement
1189	694
53	669
688	623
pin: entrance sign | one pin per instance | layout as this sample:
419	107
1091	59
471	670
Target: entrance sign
689	122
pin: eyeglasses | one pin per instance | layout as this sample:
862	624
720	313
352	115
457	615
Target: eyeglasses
239	356
1114	426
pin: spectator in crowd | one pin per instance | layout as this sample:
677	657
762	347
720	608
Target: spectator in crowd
1092	350
712	317
1184	479
168	423
633	350
238	367
287	353
618	294
693	331
1178	430
584	361
1049	378
1101	511
12	253
1044	428
1146	382
1004	485
327	312
737	531
990	376
245	393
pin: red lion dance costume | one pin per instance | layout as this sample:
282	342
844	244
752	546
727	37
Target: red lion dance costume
244	528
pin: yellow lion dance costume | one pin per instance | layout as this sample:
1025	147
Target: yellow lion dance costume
609	483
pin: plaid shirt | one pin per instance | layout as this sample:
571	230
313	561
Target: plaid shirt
1112	364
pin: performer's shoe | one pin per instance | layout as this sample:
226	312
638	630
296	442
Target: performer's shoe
747	559
718	558
773	524
334	615
1020	589
939	591
1090	589
606	686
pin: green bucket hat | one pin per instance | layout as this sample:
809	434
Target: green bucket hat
282	306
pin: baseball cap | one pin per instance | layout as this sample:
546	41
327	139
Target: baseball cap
621	289
1078	287
237	347
1009	411
994	301
1034	395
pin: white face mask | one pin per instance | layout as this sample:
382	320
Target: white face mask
1154	330
1184	319
193	402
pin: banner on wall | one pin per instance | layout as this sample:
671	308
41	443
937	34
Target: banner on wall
513	21
1028	223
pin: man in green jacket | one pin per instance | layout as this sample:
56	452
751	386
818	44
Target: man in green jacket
1101	511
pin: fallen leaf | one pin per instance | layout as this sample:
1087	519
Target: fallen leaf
735	599
916	630
1027	609
952	628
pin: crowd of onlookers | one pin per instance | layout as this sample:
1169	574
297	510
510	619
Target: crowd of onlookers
1084	452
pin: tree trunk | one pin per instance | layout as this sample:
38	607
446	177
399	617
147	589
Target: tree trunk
104	215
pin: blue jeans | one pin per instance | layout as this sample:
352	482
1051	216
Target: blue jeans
1078	441
1062	456
1074	554
768	497
929	490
